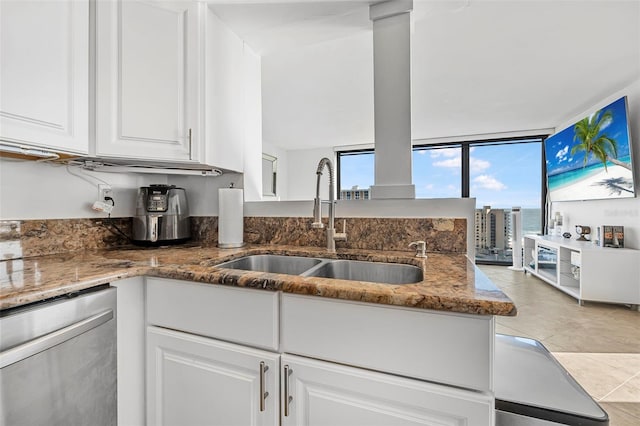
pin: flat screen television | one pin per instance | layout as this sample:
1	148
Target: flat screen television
592	159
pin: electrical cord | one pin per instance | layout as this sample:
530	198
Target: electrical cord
85	176
111	223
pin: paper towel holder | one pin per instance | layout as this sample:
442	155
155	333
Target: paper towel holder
230	219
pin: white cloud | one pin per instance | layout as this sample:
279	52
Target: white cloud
562	154
488	182
429	186
452	162
444	152
477	165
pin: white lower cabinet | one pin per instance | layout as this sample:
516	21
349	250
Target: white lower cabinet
193	380
316	393
326	363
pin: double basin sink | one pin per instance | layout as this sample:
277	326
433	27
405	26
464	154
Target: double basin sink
377	272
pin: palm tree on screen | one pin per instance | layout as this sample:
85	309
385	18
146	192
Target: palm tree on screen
603	147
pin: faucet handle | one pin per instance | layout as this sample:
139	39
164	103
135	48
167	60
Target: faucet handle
421	248
341	236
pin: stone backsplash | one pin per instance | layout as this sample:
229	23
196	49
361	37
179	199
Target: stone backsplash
28	238
441	235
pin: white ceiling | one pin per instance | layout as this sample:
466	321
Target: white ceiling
478	66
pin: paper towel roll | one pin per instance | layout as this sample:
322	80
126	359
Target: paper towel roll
230	218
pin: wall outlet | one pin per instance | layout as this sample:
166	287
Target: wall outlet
104	191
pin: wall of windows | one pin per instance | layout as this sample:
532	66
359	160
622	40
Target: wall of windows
500	174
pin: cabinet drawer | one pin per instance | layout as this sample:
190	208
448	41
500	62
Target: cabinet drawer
233	314
448	348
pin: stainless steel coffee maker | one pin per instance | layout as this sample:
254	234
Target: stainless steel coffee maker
162	216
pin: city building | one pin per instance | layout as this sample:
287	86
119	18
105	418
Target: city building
354	193
492	228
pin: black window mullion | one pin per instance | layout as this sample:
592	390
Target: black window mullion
543	190
339	192
465	170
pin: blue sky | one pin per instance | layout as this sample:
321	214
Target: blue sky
558	146
501	175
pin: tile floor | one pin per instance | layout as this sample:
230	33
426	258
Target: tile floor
599	344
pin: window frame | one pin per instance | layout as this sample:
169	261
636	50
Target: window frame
465	172
466	146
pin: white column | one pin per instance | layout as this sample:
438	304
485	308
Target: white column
392	99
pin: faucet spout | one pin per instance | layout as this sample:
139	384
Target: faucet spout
332	236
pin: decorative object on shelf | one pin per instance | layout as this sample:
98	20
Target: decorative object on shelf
575	271
583	230
618	236
557	224
607	236
598	239
567	235
613	236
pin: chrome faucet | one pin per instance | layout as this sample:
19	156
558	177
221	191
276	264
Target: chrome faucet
421	248
332	235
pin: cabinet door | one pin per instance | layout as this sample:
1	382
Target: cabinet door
193	380
44	51
226	116
146	79
320	393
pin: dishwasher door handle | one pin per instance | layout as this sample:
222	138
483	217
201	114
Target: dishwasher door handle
42	343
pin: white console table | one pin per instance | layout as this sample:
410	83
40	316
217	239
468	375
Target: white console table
584	270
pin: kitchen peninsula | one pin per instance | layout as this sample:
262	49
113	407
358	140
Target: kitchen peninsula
429	343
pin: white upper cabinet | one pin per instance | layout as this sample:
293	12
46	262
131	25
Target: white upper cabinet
173	83
147	79
44	90
226	72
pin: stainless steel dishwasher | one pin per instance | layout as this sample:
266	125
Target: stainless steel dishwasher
58	361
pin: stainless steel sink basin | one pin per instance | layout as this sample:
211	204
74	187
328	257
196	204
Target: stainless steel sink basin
377	272
387	273
292	265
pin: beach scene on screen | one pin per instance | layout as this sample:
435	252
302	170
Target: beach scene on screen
592	158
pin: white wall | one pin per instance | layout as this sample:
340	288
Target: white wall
32	190
301	166
320	94
38	190
624	212
202	192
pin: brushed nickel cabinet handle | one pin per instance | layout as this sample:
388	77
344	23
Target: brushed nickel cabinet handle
263	394
287	398
190	145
